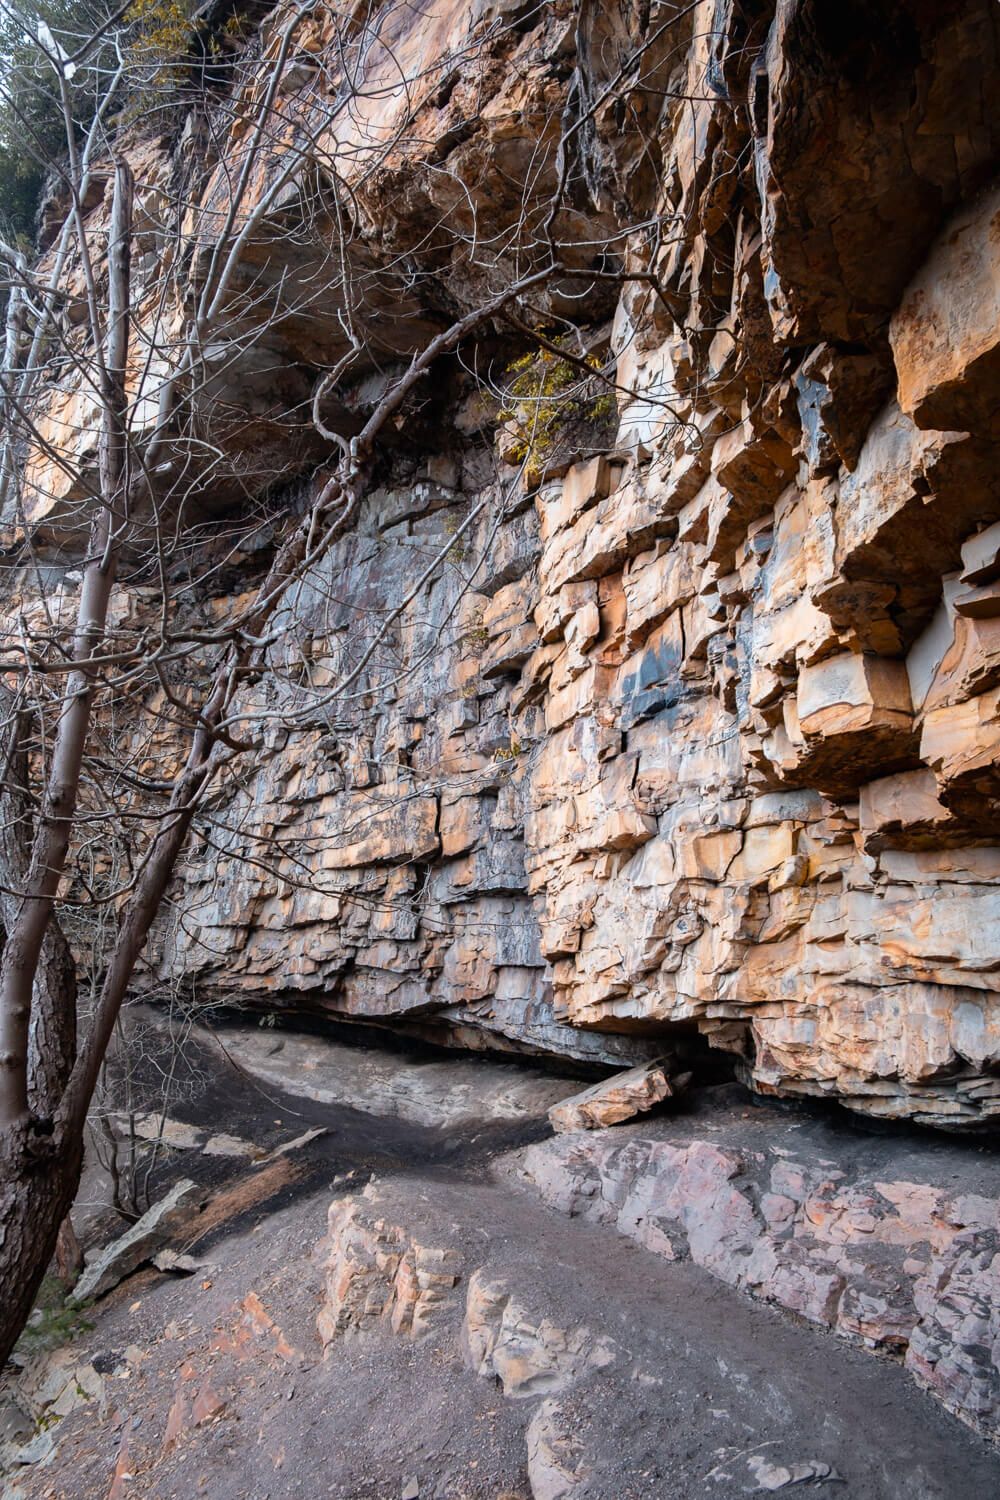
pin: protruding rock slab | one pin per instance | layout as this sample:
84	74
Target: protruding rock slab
527	1353
150	1234
618	1098
379	1275
944	333
556	1465
450	1092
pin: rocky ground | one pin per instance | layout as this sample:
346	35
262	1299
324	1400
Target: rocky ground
386	1312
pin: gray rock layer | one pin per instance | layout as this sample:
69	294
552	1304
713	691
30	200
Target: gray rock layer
697	727
901	1265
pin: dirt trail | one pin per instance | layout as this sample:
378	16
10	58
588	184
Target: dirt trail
617	1375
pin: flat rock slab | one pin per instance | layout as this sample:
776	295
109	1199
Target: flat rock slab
475	1342
455	1091
614	1099
148	1235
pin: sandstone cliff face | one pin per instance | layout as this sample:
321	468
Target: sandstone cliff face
697	732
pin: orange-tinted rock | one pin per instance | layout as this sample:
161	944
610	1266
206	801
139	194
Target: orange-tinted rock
946	332
698	729
378	1274
614	1099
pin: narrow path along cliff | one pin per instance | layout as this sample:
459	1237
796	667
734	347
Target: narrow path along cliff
396	1307
500	543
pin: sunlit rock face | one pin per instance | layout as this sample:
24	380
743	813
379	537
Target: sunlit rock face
697	730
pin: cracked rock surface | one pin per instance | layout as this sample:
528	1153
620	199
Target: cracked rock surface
698	730
836	1232
748	656
400	1316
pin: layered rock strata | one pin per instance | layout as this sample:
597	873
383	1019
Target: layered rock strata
786	1211
696	730
704	732
904	1266
378	1273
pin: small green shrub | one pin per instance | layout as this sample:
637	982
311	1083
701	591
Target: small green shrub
476	633
547	397
57	1318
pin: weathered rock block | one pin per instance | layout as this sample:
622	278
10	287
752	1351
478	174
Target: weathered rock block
615	1099
902	1266
378	1275
946	332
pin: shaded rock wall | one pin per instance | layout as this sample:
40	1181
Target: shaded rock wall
696	733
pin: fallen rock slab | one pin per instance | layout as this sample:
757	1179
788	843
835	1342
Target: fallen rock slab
147	1236
180	1135
618	1098
177	1261
160	1130
230	1145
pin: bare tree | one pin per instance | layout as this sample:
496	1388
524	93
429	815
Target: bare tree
125	722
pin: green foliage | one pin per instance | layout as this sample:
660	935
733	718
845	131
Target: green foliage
160	37
20	186
56	1319
161	31
457	551
238	28
475	633
508	752
547	396
32	132
155	37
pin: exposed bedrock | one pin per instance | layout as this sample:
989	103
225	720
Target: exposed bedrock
905	1266
893	1248
697	734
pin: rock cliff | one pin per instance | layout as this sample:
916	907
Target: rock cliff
696	732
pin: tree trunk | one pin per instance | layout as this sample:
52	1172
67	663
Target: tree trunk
52	1028
69	1253
38	1182
54	826
40	1159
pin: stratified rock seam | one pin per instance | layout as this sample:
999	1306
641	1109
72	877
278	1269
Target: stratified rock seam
696	730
